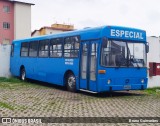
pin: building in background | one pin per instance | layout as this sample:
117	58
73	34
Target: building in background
55	28
15	20
153	59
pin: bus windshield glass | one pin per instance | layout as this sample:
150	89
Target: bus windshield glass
123	54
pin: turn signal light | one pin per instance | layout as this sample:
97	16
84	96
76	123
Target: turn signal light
101	71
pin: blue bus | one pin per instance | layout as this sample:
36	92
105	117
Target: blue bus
107	58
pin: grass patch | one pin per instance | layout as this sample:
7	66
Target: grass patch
153	91
11	107
13	80
5	105
15	83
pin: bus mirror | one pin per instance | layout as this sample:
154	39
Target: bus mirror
147	48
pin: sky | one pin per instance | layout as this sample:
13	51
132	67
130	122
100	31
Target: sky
142	14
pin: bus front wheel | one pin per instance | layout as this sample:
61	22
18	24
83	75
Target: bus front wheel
71	83
23	74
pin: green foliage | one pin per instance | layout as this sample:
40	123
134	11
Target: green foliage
13	80
15	83
153	91
6	105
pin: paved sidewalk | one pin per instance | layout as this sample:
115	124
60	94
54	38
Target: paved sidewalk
44	101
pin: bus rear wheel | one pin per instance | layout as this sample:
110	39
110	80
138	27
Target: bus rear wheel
71	83
23	74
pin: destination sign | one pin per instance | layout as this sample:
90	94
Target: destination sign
126	34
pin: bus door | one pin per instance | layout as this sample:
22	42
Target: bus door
88	65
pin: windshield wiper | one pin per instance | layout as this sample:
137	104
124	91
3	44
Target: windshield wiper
136	61
137	65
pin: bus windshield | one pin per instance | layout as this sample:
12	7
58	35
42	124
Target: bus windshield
123	54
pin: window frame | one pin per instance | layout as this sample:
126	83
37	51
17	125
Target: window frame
6	25
107	39
93	51
24	51
109	42
72	49
12	50
39	45
61	42
6	9
32	51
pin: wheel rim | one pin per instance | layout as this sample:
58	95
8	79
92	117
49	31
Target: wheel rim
71	81
23	75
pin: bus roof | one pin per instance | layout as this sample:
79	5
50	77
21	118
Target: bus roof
111	32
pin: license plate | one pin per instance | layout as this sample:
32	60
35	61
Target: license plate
127	86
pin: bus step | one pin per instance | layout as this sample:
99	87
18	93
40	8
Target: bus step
88	91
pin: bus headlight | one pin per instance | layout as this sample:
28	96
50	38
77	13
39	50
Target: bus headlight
142	81
109	81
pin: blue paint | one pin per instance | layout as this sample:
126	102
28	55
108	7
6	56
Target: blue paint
52	70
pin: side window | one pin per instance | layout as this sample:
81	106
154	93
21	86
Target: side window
12	50
71	46
93	61
43	48
24	49
56	47
6	9
33	49
6	25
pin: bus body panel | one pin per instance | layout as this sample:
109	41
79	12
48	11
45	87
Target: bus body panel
52	70
119	78
49	70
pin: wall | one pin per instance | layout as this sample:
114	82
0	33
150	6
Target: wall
5	60
22	20
46	31
153	56
6	34
42	31
50	31
36	33
63	26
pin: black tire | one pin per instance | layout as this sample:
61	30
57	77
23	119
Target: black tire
23	74
71	83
